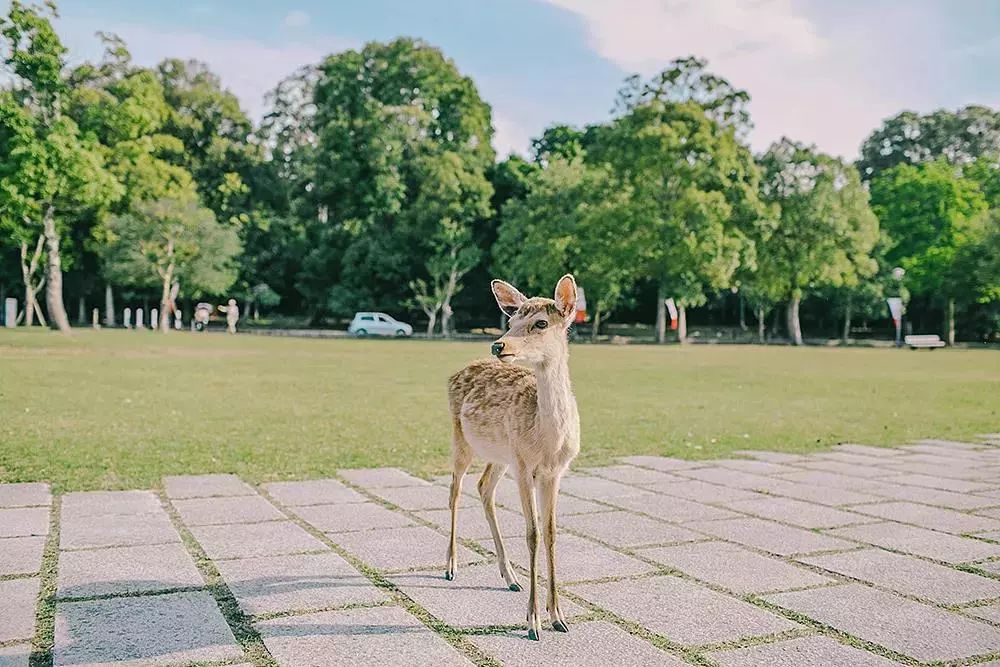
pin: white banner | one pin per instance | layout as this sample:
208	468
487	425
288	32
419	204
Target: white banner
672	309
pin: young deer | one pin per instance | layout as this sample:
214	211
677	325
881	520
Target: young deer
521	416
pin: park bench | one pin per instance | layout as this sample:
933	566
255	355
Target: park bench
928	341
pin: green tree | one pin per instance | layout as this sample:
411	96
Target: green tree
171	242
826	231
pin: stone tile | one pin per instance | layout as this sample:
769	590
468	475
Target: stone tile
17	655
920	541
472	523
25	494
848	457
627	474
913	629
682	611
988	613
591	643
909	575
116	530
736	479
950	499
237	509
734	568
934	482
84	504
477	597
772	537
419	497
992	512
847	469
870	488
670	508
24	521
932	465
577	559
817	494
702	492
568	505
313	492
375	637
123	570
206	486
797	512
803	652
663	463
274	538
381	477
21	555
624	529
356	516
304	582
17	608
402	548
147	630
596	488
935	518
867	450
771	457
755	467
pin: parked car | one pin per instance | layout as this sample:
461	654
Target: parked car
378	324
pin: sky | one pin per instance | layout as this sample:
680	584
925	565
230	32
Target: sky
819	71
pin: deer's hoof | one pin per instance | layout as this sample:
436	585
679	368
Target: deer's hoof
516	587
559	626
533	635
449	575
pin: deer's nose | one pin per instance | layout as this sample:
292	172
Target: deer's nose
497	348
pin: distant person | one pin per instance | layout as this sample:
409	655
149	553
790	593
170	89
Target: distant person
202	314
232	312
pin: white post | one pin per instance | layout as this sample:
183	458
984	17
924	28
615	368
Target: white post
177	319
154	319
95	318
127	318
138	319
10	312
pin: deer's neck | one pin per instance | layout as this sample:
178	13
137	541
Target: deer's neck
556	406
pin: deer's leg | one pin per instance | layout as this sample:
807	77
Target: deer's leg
461	459
487	493
548	494
526	487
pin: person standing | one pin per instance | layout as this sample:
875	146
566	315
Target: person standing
232	312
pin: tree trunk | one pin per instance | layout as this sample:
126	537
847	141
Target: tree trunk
682	323
109	306
595	325
743	313
29	307
53	285
951	321
431	321
28	268
847	322
760	324
165	302
776	323
661	315
794	329
81	311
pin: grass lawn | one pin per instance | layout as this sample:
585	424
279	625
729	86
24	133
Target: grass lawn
119	409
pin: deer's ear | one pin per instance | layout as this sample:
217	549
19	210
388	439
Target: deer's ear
507	296
566	295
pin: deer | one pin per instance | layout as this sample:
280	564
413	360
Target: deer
517	410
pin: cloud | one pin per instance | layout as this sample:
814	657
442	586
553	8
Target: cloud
510	136
297	19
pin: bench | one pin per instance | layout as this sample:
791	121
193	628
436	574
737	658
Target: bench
924	341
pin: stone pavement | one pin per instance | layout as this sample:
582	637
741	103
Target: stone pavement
856	556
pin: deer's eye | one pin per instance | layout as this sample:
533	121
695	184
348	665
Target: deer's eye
541	324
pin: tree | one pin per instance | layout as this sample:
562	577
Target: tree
928	211
51	171
826	231
171	242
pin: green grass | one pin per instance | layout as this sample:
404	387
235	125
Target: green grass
119	409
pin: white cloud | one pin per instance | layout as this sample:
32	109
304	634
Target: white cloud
297	19
510	136
804	83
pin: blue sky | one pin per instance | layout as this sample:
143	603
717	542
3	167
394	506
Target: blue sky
820	71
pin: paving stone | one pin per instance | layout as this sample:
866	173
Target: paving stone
754	467
402	548
375	478
419	497
925	516
477	597
375	637
123	570
21	555
849	457
803	652
682	611
992	512
472	523
848	469
913	629
24	521
670	508
817	494
356	516
17	608
627	474
568	505
663	463
736	479
833	480
734	568
935	465
238	509
702	492
82	504
304	582
797	512
577	559
882	452
313	492
17	655
988	613
273	538
771	457
768	536
508	496
147	630
909	575
115	530
920	541
624	529
934	482
950	499
206	486
25	494
591	643
597	488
